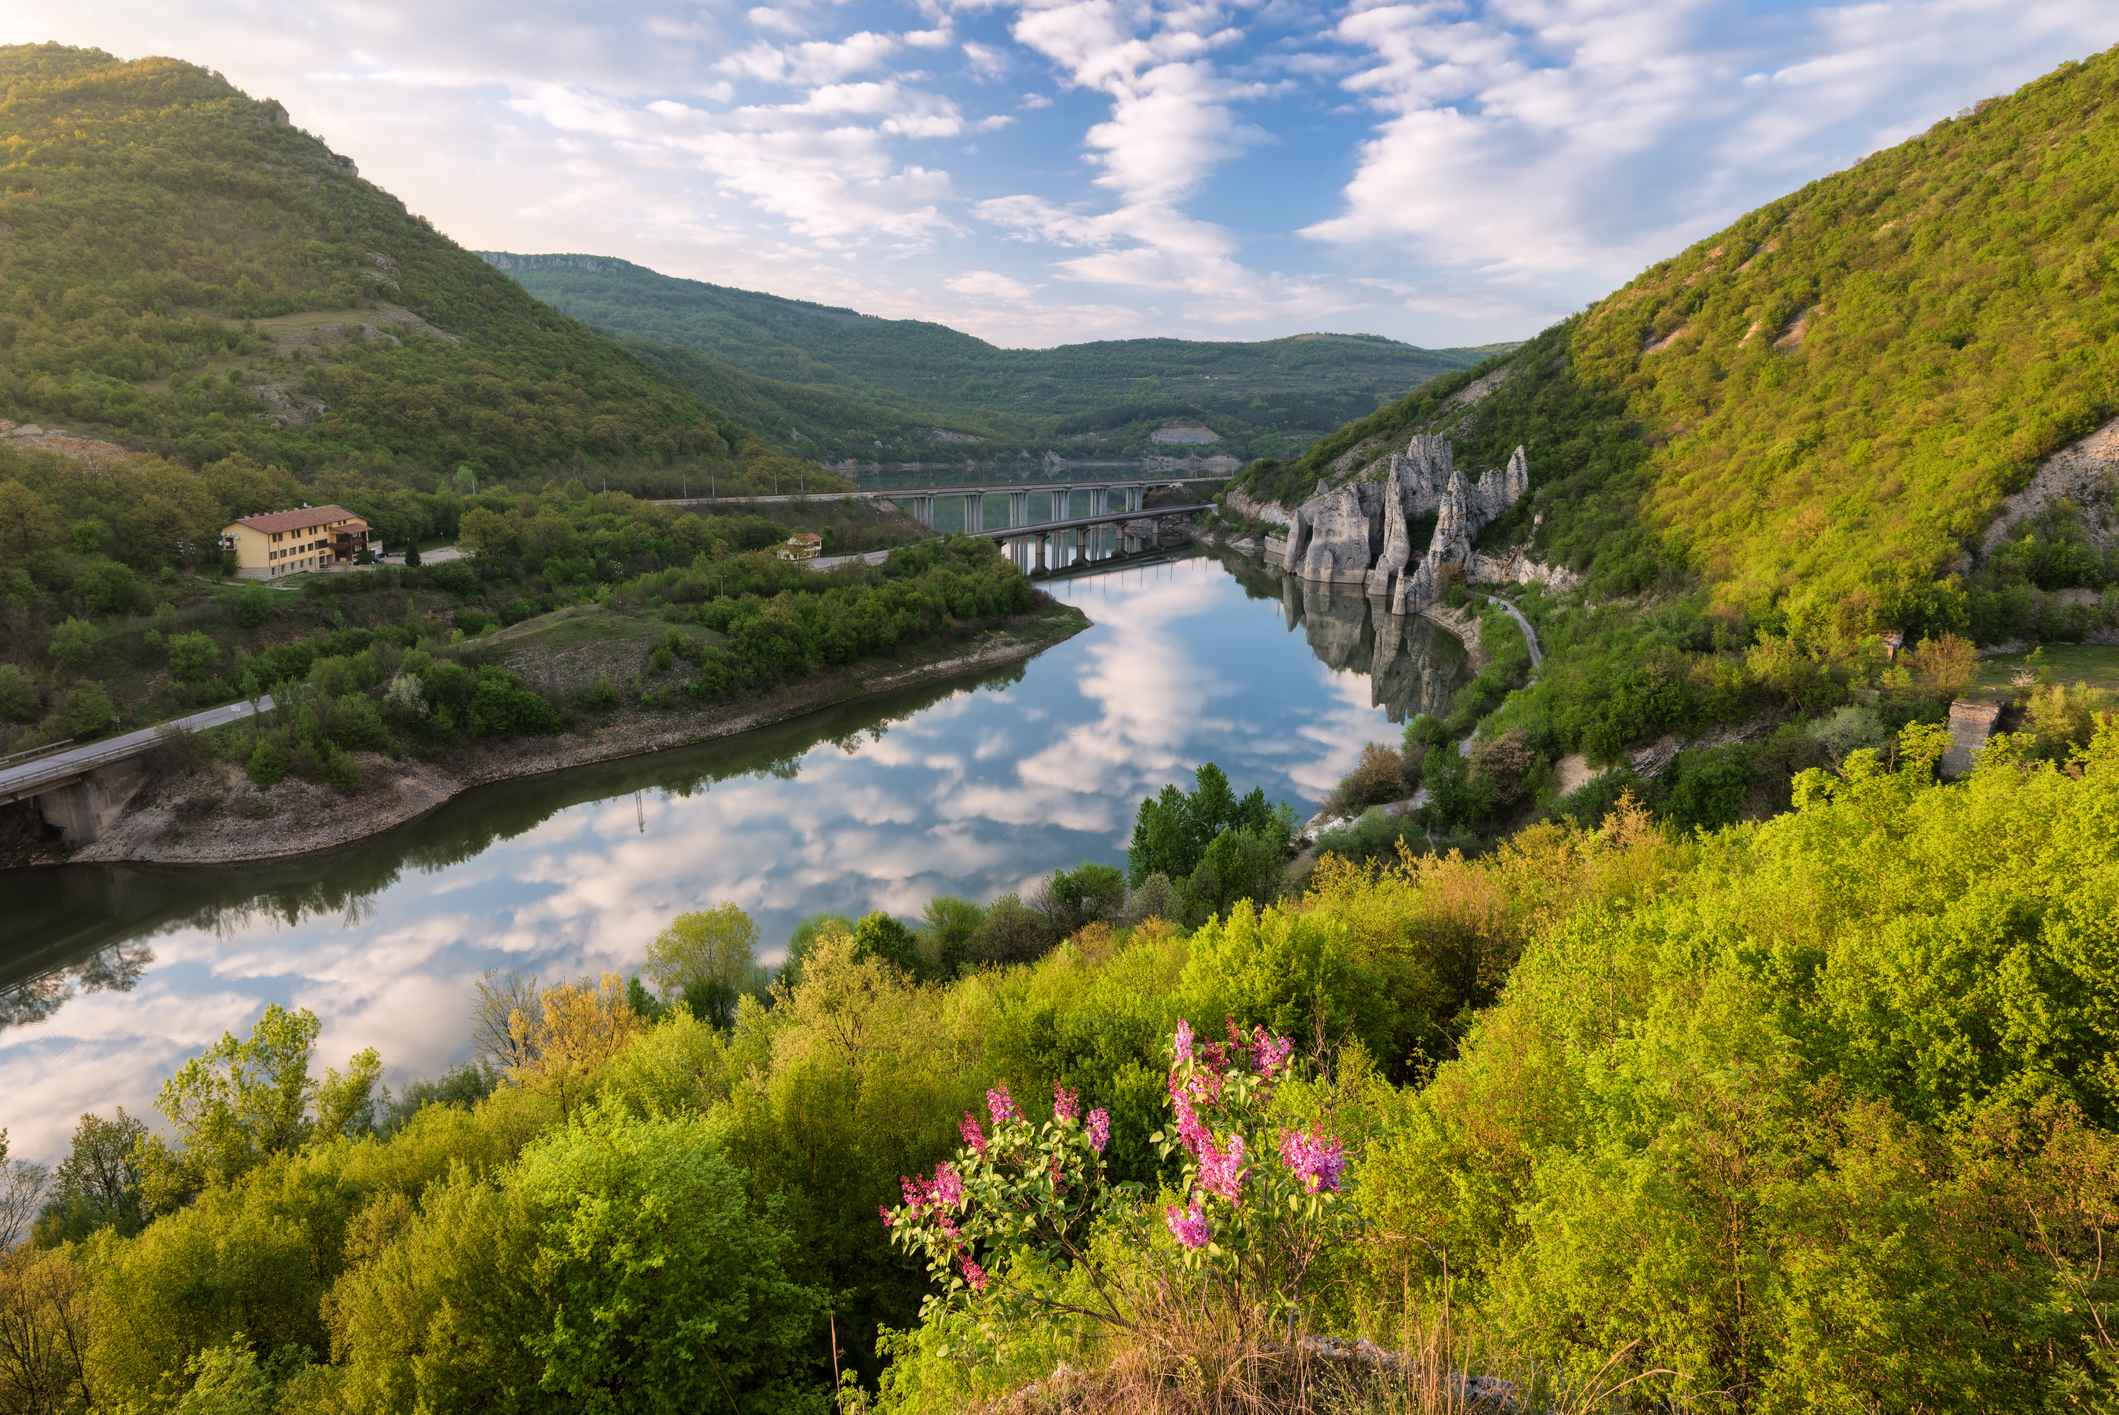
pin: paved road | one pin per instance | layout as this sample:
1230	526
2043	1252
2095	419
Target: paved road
1530	635
907	492
19	781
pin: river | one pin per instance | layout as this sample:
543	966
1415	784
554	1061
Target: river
112	975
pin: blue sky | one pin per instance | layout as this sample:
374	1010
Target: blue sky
1047	171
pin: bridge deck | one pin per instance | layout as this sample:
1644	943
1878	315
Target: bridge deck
909	492
56	770
1040	528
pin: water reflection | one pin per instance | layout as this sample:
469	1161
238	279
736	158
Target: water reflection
111	975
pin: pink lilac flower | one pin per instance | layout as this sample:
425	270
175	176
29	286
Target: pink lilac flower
1066	1103
1315	1159
973	1273
1184	1040
1059	1177
887	1220
1221	1170
1188	1226
1189	1128
948	1187
913	1192
1001	1106
1099	1127
1272	1053
968	1127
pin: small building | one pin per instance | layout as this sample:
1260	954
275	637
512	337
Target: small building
803	545
295	542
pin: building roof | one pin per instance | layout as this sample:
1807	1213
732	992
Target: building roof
805	538
277	521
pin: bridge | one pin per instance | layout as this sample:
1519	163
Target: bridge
82	790
920	500
1043	531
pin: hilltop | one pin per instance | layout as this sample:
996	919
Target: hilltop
853	384
246	291
1817	412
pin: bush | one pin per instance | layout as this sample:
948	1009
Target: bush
111	588
342	771
193	657
1383	774
268	763
19	698
89	710
881	936
602	694
253	606
1010	933
73	644
472	621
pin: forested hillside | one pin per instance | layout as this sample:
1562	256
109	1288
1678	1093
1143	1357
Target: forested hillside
1105	398
183	268
1817	411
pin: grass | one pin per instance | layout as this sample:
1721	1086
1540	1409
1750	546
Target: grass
2094	664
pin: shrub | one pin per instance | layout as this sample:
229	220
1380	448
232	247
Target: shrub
253	605
111	588
1380	776
1010	933
268	762
73	644
193	657
341	770
951	924
19	698
471	620
881	936
89	710
1945	666
602	694
705	958
404	701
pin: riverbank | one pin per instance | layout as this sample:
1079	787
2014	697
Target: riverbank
216	816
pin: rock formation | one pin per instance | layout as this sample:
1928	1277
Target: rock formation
1363	531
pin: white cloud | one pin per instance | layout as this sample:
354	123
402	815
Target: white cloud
990	285
814	61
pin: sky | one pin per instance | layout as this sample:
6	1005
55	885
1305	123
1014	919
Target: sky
1040	172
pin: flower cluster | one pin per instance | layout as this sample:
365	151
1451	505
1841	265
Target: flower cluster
1017	1185
1313	1158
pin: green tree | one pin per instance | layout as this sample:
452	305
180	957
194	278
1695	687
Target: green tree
664	1289
89	710
97	1185
193	657
19	698
253	605
951	922
242	1101
110	588
884	937
74	644
268	762
711	951
28	524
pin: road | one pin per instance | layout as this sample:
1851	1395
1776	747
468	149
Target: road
26	779
1530	635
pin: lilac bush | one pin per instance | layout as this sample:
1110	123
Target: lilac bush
1257	1204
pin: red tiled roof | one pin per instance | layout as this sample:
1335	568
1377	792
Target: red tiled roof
279	521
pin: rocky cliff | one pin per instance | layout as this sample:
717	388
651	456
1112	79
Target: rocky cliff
1361	532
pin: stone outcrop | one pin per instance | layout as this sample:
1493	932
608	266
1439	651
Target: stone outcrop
1363	531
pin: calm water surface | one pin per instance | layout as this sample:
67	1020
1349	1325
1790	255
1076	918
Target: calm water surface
110	976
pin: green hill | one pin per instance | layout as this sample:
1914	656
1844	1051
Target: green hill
849	382
183	269
1817	411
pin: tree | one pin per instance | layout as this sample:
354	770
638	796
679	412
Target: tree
1945	666
664	1289
253	605
193	657
412	556
951	922
268	762
242	1101
19	698
73	644
89	709
110	588
98	1183
21	1192
1173	829
28	524
881	936
712	948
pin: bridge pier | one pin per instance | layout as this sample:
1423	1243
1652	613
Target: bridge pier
1018	508
86	807
1041	551
1135	494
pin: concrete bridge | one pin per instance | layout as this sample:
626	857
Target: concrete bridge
1044	531
919	501
83	790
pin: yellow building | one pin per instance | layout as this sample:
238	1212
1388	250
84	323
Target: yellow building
293	542
804	545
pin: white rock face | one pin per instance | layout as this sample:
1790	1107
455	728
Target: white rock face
1363	531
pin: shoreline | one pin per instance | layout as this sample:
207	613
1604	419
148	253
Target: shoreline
307	818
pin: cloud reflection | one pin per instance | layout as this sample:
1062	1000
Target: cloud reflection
969	792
